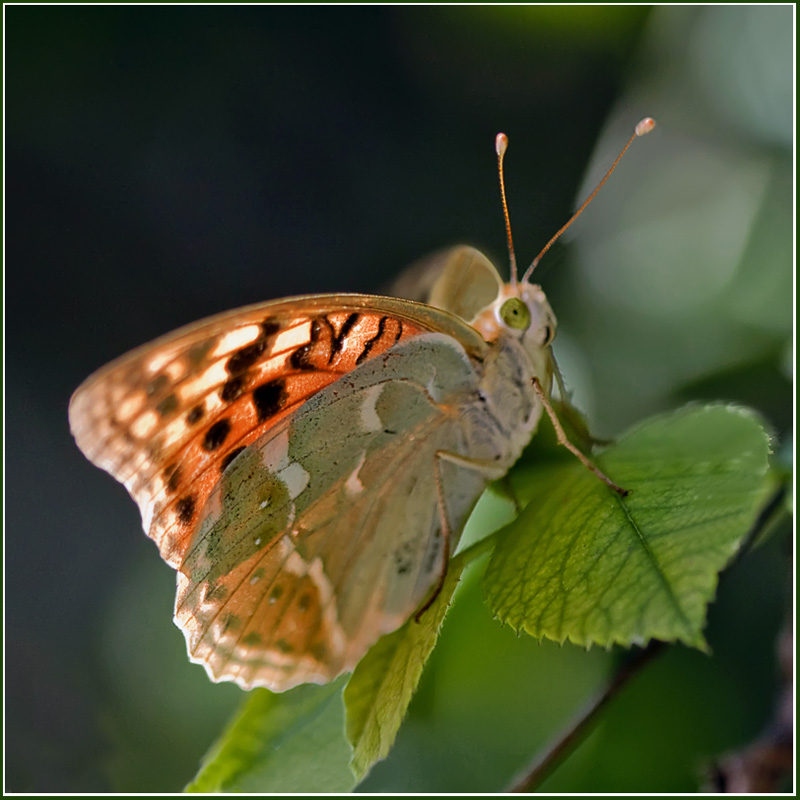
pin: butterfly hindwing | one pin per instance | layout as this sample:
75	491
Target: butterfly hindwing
328	531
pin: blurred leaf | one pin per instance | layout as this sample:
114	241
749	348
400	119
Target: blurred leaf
738	56
763	281
290	742
756	383
160	711
386	678
583	564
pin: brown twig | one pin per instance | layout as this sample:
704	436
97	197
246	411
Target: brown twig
543	765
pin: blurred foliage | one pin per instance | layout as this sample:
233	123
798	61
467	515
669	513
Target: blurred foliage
186	159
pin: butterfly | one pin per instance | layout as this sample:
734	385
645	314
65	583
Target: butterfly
307	465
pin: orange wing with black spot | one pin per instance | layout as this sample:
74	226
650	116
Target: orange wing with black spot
168	418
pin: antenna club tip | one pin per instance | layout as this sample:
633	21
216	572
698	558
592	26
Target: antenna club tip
645	126
501	143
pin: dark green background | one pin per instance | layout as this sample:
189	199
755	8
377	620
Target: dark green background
166	163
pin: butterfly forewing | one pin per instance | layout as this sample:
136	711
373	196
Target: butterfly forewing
168	418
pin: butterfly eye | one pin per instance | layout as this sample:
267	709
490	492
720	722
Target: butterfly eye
515	314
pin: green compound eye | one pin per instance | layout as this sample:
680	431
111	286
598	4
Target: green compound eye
515	314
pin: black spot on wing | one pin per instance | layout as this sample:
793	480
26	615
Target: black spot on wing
185	509
403	558
232	389
276	593
216	435
196	414
338	339
157	385
197	353
269	398
301	358
304	602
167	406
269	327
172	477
370	343
243	359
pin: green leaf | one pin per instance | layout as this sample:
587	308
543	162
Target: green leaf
290	742
582	563
385	680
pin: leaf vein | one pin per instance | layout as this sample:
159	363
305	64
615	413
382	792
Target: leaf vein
656	566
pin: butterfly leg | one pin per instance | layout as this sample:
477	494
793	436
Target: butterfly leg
568	410
447	535
563	440
487	468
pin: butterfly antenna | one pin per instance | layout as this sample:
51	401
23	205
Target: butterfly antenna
645	126
500	145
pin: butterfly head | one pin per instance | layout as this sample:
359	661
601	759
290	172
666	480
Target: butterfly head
520	311
469	286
